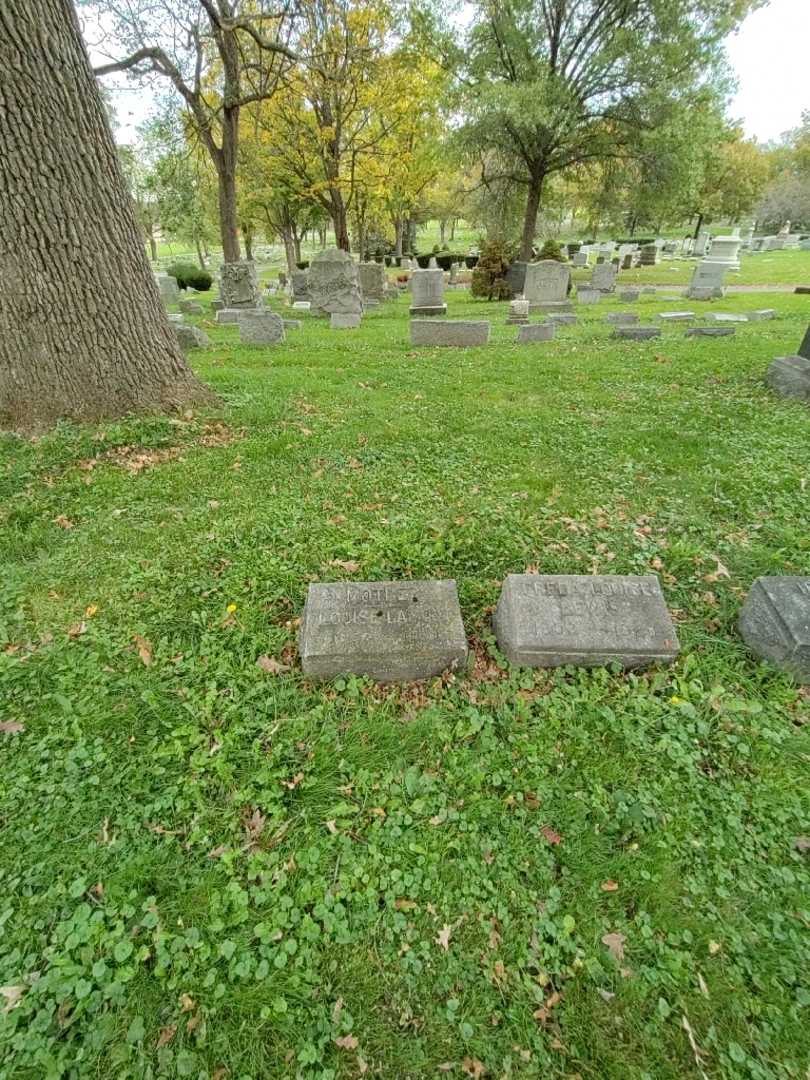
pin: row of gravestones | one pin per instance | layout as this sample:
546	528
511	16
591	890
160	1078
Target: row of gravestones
397	631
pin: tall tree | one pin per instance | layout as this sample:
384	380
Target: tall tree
219	56
83	333
551	84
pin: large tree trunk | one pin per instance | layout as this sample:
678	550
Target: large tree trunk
228	219
288	239
339	222
530	217
70	344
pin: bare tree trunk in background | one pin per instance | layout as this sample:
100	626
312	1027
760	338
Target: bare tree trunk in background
247	236
442	233
200	254
698	226
452	230
70	345
398	237
153	245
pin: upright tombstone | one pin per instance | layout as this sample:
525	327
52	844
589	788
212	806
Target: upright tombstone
300	286
372	281
700	244
585	620
390	631
580	259
190	337
260	327
532	332
238	284
707	281
427	293
789	376
333	284
603	277
518	313
516	277
587	295
725	250
546	284
775	623
169	289
649	255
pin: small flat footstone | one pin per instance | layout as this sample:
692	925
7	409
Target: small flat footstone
775	623
629	296
622	318
727	317
228	315
711	331
562	319
341	320
789	376
536	332
546	306
637	333
589	296
761	314
585	620
292	324
390	631
302	305
676	316
458	333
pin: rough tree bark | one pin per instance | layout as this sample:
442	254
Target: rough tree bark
83	333
530	217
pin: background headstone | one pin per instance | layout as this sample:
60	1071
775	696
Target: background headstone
427	292
333	283
546	281
458	333
238	284
260	328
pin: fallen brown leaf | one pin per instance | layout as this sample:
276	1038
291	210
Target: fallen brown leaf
801	843
615	943
348	565
12	994
77	630
443	937
63	522
271	666
609	886
473	1067
11	727
186	1003
405	905
144	649
347	1042
550	835
166	1035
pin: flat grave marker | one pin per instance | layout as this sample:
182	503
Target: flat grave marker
390	631
585	620
775	623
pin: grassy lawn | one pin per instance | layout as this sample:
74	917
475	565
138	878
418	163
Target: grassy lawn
213	870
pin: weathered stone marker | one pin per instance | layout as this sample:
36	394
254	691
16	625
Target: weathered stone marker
629	296
228	315
761	314
260	327
789	376
391	631
562	319
238	284
334	284
622	318
190	307
190	337
535	332
637	333
711	331
588	296
460	333
340	321
676	316
546	283
603	277
775	623
804	348
726	317
586	620
427	292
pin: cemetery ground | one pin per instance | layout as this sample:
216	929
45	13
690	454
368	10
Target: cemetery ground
214	868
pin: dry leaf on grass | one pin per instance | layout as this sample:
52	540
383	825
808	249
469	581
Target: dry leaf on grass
348	565
615	943
63	522
12	994
550	835
166	1035
144	649
801	843
347	1042
443	937
271	666
473	1067
11	727
609	886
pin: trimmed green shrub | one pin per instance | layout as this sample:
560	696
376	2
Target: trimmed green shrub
489	276
551	250
303	265
189	276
